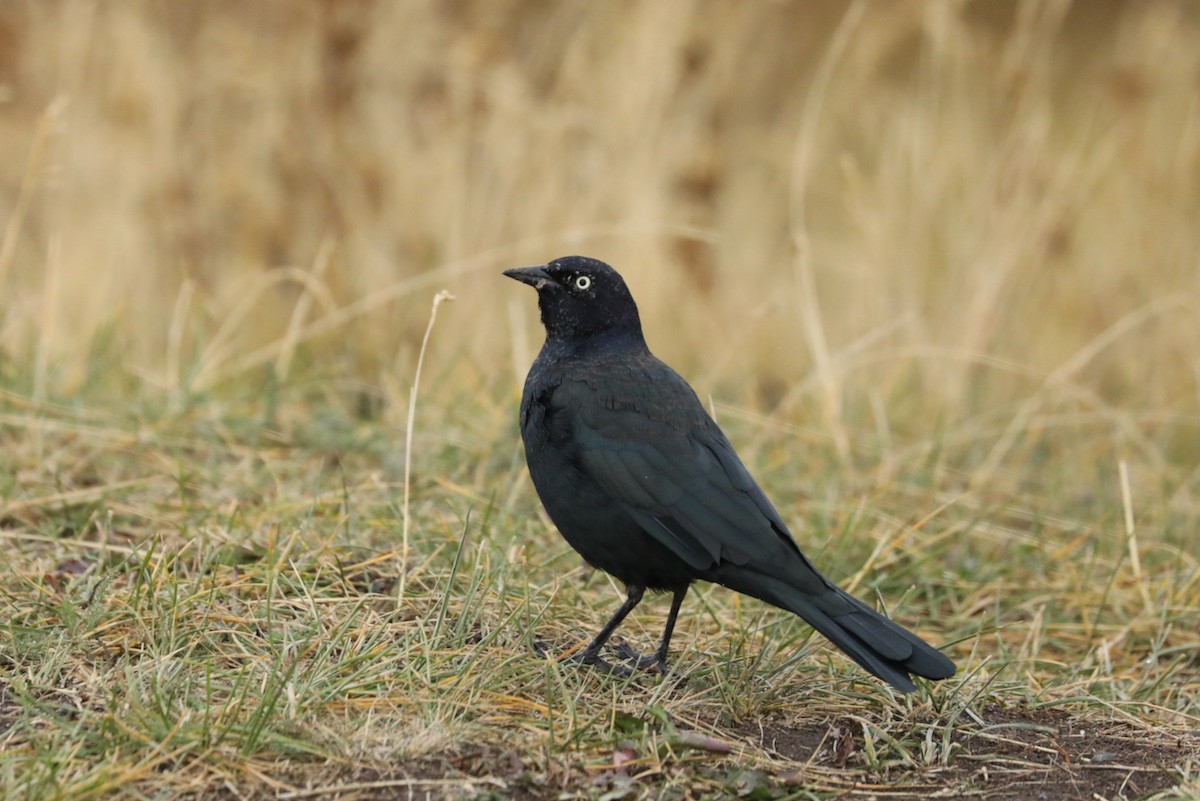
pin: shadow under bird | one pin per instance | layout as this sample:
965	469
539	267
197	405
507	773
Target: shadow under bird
645	486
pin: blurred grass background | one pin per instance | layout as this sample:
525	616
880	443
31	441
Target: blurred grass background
936	264
962	195
966	221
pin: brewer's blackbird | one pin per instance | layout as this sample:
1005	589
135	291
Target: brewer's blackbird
644	485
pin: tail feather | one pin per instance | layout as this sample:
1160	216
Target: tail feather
875	631
880	646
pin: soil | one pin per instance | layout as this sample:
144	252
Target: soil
1007	755
1039	755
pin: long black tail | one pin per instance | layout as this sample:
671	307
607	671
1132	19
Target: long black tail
881	647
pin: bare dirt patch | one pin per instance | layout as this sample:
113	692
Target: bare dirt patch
1038	755
1047	755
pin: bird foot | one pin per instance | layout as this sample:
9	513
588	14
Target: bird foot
641	661
624	651
598	662
583	658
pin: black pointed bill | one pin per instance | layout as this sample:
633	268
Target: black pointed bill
536	277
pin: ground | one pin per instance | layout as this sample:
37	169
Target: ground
243	626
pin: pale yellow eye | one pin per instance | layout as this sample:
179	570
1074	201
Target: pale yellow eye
583	283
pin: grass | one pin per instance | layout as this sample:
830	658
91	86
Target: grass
222	609
933	266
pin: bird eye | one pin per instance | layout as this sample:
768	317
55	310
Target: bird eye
583	283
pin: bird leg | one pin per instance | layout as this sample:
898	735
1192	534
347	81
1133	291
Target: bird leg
658	659
591	654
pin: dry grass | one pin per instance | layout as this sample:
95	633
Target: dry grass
935	263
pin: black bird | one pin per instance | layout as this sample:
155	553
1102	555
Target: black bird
645	486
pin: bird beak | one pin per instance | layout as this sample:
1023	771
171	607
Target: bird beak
536	277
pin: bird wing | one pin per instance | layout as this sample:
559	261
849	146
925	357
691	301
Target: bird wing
645	439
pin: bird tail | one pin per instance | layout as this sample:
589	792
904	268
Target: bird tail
883	648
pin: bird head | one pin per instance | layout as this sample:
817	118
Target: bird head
581	298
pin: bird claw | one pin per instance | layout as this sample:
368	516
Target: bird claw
596	661
624	651
640	661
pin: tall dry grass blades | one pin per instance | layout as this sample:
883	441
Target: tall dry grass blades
438	299
984	184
